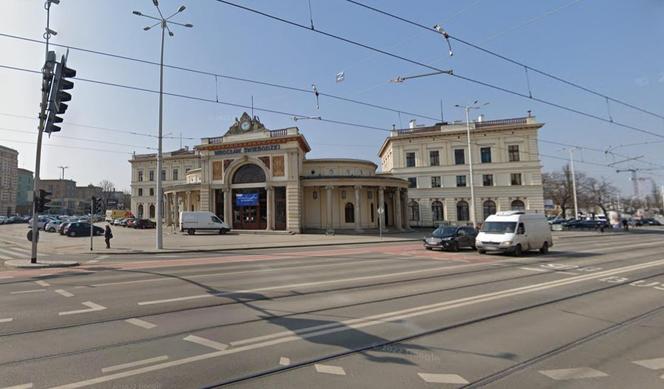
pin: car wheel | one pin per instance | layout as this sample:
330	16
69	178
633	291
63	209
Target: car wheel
518	251
429	248
545	248
481	251
190	231
473	247
72	233
454	247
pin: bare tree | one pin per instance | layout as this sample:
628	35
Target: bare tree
558	187
107	190
598	193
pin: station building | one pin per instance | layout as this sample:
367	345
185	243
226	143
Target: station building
259	179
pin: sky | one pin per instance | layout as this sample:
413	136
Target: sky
609	46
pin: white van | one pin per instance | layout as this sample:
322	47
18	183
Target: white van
203	221
514	232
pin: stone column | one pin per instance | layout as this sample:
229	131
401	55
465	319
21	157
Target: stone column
404	199
328	199
357	209
381	204
398	211
228	203
187	202
169	211
270	207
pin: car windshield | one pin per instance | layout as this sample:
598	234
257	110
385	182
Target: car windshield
498	227
444	231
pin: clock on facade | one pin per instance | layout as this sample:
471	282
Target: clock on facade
245	126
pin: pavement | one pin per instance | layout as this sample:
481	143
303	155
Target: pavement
389	315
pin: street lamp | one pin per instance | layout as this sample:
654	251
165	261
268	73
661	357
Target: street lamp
467	109
164	23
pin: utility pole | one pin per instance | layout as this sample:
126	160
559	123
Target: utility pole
164	24
62	177
571	166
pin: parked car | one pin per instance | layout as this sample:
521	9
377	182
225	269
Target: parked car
143	224
52	226
651	222
126	220
514	232
3	219
116	222
451	238
202	220
81	229
130	223
586	224
41	222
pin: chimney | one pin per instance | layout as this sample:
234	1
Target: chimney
412	124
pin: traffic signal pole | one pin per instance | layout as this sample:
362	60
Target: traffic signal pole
92	226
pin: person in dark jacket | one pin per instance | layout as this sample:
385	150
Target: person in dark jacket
108	235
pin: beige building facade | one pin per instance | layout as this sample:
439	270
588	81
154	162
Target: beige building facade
435	162
8	180
259	179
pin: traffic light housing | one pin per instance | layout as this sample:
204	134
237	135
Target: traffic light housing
97	205
43	200
58	96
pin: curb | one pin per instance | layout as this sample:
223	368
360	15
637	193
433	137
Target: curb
22	264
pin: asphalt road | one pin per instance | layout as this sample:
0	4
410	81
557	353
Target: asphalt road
589	314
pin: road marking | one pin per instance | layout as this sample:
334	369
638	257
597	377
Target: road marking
6	320
303	284
42	283
653	364
6	277
100	257
346	325
28	291
329	369
535	269
92	307
206	342
573	374
63	293
92	261
22	386
284	361
133	364
141	323
442	378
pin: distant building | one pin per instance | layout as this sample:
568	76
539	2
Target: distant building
434	160
67	198
24	190
8	180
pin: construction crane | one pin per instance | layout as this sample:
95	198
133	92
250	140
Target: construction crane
635	178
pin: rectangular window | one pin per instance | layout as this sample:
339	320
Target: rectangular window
461	181
151	191
487	179
435	182
151	175
434	158
410	159
485	153
163	175
515	178
140	175
513	153
140	191
459	157
412	182
175	174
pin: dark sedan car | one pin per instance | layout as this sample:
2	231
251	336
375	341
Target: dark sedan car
451	238
81	229
586	224
143	224
651	222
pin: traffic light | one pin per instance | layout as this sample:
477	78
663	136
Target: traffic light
58	96
97	205
43	200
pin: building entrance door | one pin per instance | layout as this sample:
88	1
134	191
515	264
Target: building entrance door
279	208
250	209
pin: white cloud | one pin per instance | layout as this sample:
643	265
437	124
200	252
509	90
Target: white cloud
642	81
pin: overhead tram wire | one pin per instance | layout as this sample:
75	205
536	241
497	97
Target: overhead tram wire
80	139
67	146
452	74
507	59
219	75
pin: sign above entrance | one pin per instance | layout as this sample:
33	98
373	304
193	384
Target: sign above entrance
246	199
244	150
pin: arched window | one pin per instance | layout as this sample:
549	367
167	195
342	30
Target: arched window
140	211
489	208
463	211
152	211
413	211
349	213
518	205
249	174
437	211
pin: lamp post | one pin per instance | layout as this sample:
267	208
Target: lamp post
164	23
467	109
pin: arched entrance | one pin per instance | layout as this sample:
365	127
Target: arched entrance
249	198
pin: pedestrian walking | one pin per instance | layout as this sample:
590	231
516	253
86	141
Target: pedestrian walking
625	225
108	235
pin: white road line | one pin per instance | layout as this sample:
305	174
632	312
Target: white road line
28	291
442	378
42	283
6	277
206	342
100	257
6	320
92	307
92	261
291	286
329	369
63	292
141	323
22	386
653	364
284	361
11	251
534	269
573	374
346	325
134	364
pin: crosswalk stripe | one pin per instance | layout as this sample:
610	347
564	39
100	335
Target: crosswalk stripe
442	378
653	364
573	374
329	369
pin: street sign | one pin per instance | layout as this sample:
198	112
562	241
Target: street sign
381	211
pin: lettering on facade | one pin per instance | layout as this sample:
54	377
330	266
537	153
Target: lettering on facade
242	150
